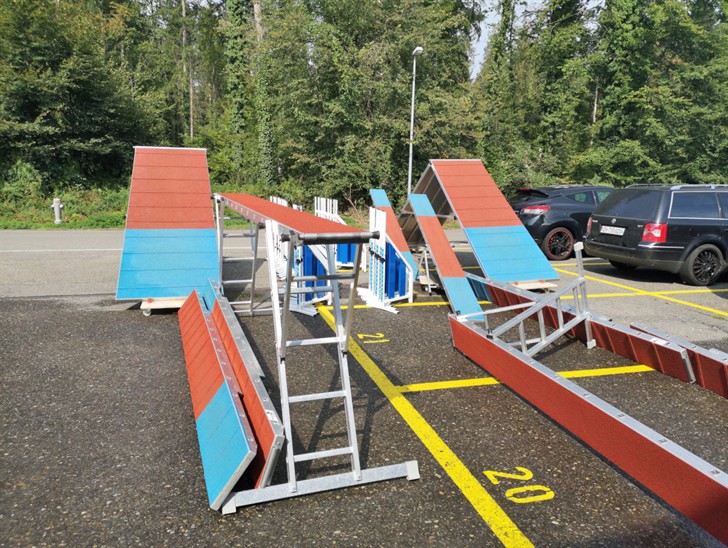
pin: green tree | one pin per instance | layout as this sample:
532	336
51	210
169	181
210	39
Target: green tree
662	117
63	109
337	77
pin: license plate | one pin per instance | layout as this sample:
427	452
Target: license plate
614	230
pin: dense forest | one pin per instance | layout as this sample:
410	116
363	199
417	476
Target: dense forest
312	97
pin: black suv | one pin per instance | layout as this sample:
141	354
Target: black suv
556	216
681	229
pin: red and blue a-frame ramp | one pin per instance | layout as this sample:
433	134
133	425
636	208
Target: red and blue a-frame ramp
239	432
501	244
170	243
238	429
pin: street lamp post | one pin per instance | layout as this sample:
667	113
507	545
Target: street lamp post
415	53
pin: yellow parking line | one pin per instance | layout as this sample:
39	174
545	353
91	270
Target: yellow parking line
496	518
656	294
489	381
444	385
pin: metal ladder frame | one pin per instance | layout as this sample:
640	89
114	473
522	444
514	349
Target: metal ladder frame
530	347
283	305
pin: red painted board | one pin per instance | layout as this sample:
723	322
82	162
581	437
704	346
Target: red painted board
472	215
447	262
710	373
165	186
169	217
203	370
170	157
171	225
170	199
476	199
298	221
393	230
170	173
692	492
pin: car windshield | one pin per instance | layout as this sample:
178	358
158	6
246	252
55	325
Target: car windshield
636	203
525	194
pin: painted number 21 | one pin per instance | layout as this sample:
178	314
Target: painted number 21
523	494
366	338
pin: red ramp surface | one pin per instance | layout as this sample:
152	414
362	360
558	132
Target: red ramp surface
170	188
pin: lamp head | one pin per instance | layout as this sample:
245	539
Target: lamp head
417	51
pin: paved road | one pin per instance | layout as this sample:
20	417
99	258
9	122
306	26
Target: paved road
99	444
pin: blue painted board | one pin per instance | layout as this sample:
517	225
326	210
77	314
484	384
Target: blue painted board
461	296
133	294
509	254
224	446
158	263
169	261
379	197
421	205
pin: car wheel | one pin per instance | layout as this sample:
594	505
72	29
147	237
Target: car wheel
622	266
702	266
558	244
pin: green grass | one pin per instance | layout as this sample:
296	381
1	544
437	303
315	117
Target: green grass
97	208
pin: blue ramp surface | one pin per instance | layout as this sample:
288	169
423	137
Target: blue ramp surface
166	262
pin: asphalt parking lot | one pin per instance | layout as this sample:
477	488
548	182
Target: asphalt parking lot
99	445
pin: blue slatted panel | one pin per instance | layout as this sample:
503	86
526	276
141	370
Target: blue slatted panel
167	262
461	296
509	254
312	267
345	253
224	447
396	273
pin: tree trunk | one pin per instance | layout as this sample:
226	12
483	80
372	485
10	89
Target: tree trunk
258	16
187	69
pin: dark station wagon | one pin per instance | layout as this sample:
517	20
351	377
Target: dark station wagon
556	216
681	229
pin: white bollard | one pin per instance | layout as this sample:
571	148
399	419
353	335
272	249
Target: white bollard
57	207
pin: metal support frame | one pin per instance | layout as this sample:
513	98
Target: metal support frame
530	347
343	328
243	306
283	296
424	265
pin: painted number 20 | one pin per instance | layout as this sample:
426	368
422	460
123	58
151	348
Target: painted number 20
524	494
